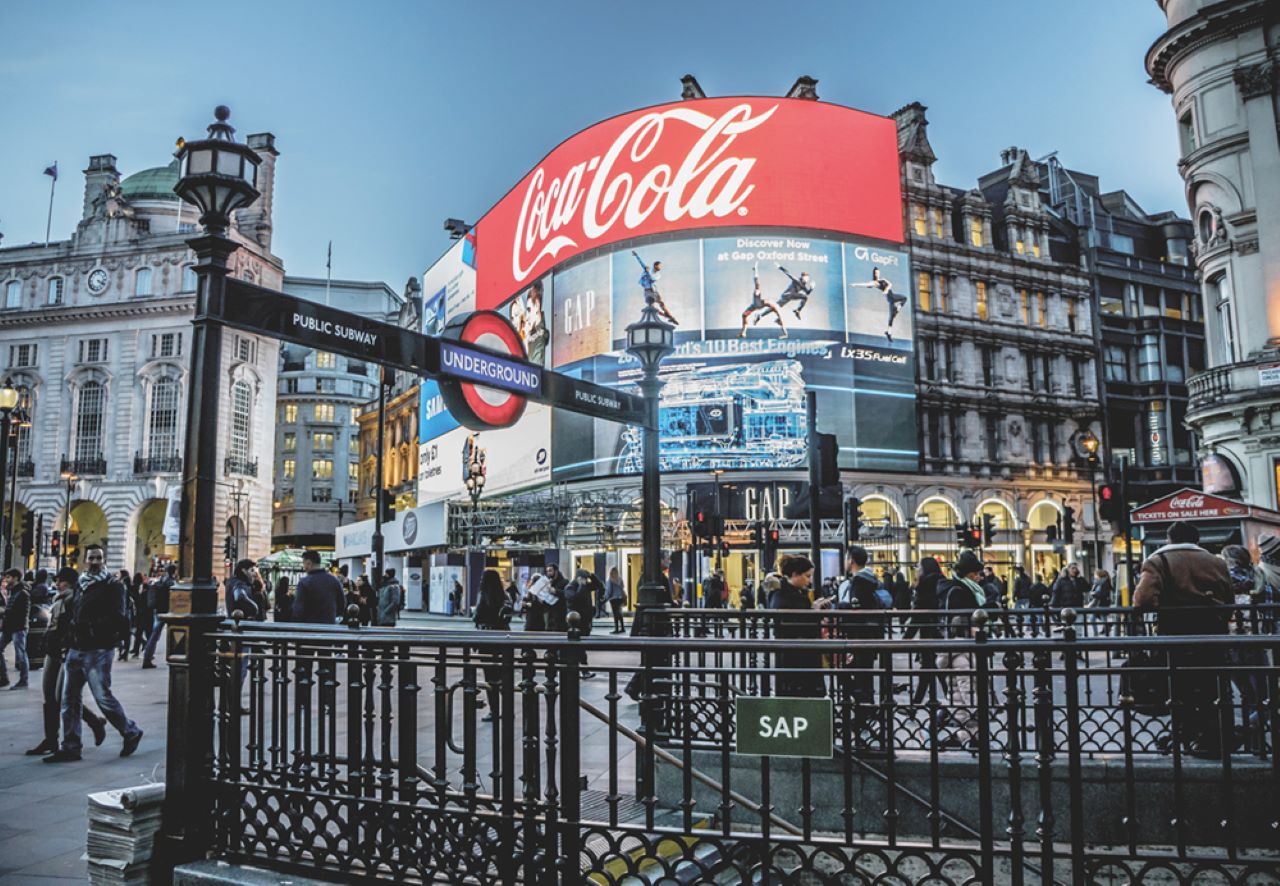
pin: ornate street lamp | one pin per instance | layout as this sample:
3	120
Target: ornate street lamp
650	339
1086	445
8	402
219	177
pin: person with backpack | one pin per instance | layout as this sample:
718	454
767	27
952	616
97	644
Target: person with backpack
1190	591
97	623
860	591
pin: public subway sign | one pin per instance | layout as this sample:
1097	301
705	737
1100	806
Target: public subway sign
784	727
480	362
1189	504
705	163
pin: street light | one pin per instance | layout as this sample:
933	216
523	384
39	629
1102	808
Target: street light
650	340
1087	444
475	484
71	479
8	402
18	419
218	176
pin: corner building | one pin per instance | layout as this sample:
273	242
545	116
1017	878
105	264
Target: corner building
95	334
1220	64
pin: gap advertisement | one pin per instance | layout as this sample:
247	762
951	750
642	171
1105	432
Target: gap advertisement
760	318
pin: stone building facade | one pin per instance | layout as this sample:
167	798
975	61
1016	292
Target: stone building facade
1220	64
95	332
318	400
1005	355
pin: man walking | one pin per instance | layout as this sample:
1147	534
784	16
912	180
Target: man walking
17	615
158	603
98	621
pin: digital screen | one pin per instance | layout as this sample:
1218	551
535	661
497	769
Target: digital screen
763	316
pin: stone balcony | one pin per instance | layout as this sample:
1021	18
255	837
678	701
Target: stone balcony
1223	387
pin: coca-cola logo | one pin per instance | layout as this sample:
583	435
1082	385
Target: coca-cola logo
622	185
1186	502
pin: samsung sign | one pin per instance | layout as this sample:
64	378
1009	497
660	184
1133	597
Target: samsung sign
494	371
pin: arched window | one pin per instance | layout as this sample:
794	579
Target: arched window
89	412
162	423
241	413
142	282
13	294
189	278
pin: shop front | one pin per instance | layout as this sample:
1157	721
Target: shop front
407	541
1221	521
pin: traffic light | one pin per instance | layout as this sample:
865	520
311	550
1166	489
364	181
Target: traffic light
1110	508
701	526
228	548
55	544
771	538
757	534
1051	533
1068	525
724	547
388	503
974	537
988	529
27	543
962	534
853	519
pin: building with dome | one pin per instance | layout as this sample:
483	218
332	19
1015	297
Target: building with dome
96	331
1220	64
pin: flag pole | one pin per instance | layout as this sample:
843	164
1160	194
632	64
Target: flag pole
48	223
328	272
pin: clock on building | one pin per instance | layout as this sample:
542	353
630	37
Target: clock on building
97	281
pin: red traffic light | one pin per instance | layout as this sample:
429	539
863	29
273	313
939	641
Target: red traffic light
1107	493
773	536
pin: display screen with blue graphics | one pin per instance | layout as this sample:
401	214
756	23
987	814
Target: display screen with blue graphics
763	316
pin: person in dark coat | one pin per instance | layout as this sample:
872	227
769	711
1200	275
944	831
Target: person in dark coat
98	620
57	639
556	610
282	609
1070	590
1037	600
319	599
860	591
40	591
803	676
17	620
962	593
142	617
924	623
580	597
493	613
1191	593
158	603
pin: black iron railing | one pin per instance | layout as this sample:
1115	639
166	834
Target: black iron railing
92	466
157	464
26	468
489	757
245	466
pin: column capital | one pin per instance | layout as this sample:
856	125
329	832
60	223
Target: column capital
1255	81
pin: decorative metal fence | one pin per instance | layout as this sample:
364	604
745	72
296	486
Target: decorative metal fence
485	757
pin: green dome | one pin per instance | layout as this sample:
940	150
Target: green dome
151	184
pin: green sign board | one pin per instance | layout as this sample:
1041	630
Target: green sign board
785	727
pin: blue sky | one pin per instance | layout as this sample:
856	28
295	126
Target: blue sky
391	116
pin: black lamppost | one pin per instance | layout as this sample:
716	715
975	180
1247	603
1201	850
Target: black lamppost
8	402
218	176
650	340
70	478
1087	443
16	420
475	486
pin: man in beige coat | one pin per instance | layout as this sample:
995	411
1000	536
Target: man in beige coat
1183	583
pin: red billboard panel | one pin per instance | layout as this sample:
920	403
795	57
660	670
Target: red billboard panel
708	163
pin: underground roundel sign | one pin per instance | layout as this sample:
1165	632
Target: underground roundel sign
484	391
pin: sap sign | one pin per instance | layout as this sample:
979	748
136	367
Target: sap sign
785	727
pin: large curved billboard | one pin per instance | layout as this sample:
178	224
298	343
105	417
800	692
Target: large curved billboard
772	229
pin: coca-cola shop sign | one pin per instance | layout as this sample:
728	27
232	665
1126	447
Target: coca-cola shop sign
1188	504
721	162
